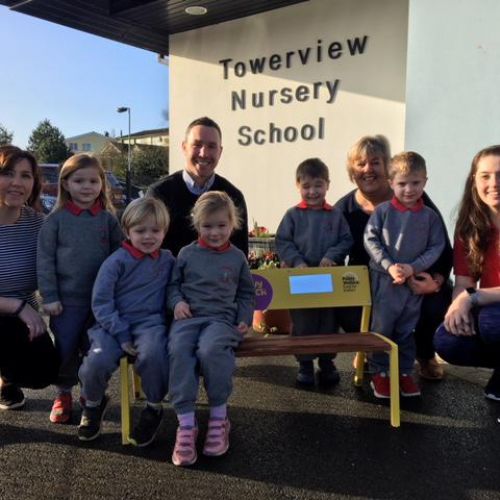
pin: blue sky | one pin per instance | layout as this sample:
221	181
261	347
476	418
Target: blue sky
75	79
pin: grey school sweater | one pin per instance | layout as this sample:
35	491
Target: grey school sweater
129	290
415	238
71	248
306	236
214	283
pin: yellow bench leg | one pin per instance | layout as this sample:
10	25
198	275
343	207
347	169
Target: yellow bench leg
360	365
394	380
137	386
361	356
126	410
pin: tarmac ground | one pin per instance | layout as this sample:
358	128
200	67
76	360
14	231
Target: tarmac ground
286	443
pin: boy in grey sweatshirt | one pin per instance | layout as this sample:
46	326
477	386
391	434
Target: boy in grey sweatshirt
313	233
403	238
129	304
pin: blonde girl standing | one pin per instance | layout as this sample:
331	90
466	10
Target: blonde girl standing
75	239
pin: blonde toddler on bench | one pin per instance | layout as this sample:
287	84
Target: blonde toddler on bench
212	296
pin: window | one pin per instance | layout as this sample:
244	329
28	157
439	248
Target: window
86	146
73	146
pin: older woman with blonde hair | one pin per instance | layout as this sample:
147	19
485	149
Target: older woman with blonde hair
470	334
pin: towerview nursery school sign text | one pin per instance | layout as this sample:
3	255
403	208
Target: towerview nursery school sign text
243	100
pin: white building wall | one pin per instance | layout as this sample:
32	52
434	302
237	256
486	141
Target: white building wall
368	97
453	98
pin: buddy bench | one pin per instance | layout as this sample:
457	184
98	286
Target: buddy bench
342	286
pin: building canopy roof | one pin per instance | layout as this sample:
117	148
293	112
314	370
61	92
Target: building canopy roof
146	24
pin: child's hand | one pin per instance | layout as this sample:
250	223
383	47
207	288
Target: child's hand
302	265
129	349
396	274
54	308
326	262
182	310
242	327
406	270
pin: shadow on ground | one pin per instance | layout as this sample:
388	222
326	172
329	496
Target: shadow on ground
286	443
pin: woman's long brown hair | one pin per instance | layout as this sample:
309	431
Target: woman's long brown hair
474	218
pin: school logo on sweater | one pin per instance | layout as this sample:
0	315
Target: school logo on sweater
228	275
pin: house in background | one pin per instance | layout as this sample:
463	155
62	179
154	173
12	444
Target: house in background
154	137
149	162
114	153
90	142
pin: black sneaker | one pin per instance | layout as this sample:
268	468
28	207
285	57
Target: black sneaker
328	376
305	376
90	424
147	427
11	397
492	389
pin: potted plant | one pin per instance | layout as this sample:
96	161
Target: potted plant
262	255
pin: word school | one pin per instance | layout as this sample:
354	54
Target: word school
285	95
276	135
303	56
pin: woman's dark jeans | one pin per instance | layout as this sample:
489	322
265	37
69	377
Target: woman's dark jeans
482	349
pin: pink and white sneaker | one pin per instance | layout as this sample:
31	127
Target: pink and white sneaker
217	439
62	409
184	453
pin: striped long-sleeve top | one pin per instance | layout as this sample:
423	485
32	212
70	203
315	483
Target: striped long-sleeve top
18	249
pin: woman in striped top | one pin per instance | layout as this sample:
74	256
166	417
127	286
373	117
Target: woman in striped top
27	355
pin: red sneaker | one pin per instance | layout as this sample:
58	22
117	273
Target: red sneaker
61	409
408	387
381	385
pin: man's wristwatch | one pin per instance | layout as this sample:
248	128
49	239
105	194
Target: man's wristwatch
473	295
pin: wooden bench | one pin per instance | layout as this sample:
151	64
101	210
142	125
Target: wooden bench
342	286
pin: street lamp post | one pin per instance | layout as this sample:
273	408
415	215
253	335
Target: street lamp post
128	180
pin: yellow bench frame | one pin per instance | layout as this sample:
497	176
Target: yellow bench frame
351	288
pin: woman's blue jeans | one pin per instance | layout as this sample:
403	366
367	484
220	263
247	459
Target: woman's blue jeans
482	349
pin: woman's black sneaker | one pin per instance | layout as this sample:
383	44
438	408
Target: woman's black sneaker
91	422
492	389
11	397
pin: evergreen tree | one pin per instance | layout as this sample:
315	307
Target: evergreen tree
149	164
47	144
5	136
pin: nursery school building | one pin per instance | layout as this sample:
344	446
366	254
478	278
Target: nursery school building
292	79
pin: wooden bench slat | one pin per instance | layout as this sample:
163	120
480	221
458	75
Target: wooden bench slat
276	345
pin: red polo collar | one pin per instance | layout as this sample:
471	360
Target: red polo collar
137	254
402	208
304	206
76	210
222	248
